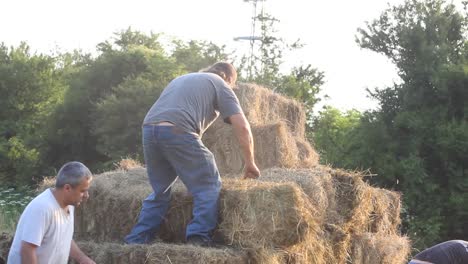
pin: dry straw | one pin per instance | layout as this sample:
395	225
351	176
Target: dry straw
274	147
380	248
161	253
262	106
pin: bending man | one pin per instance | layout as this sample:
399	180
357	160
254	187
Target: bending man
172	131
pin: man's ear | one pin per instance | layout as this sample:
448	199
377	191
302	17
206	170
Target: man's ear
67	187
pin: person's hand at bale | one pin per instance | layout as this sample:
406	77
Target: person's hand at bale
251	172
78	255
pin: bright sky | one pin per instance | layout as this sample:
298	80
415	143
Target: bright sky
326	27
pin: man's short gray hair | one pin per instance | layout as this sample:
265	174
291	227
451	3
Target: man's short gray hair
72	173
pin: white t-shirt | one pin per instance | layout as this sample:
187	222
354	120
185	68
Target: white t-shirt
45	224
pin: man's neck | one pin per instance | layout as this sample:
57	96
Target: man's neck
59	197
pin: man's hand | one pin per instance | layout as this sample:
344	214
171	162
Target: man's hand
78	255
251	171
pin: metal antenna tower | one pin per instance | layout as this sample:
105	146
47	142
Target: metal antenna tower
252	38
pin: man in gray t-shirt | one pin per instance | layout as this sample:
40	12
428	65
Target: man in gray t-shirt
172	146
192	102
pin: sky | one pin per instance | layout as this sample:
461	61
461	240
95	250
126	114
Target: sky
327	28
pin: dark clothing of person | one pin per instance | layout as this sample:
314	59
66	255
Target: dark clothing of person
449	252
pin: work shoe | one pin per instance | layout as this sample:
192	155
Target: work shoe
200	241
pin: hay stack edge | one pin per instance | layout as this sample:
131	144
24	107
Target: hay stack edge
298	212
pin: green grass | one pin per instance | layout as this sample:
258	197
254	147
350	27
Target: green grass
12	204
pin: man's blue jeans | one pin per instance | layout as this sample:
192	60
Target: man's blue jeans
170	152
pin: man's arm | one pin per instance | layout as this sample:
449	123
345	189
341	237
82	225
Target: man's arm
78	255
28	253
244	136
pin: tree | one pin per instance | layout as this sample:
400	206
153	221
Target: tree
333	133
31	86
423	120
118	117
71	135
196	55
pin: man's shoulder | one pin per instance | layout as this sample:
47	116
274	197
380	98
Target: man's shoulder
200	75
42	202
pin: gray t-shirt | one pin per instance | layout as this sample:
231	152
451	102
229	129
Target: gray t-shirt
193	101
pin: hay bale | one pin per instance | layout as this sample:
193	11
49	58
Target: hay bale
385	216
259	214
316	183
128	164
262	106
380	248
274	147
107	253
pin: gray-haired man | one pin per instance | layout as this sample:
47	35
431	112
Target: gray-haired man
45	229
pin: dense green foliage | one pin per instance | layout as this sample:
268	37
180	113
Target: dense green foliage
12	203
417	141
75	106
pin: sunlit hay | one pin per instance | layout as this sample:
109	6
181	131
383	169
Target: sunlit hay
385	217
340	200
6	239
262	106
47	182
264	215
127	164
273	144
353	207
271	148
156	253
315	182
307	155
380	248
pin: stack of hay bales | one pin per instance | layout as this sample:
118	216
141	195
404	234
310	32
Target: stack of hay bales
278	129
355	218
297	212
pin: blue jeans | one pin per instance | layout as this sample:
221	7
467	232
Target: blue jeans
170	152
